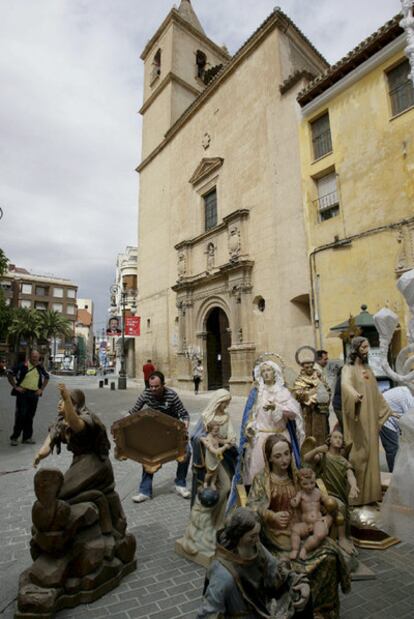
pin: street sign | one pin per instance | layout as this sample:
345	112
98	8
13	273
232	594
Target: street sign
132	326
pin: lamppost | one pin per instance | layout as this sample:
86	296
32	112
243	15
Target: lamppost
407	23
123	295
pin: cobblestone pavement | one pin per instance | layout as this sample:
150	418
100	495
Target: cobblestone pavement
164	586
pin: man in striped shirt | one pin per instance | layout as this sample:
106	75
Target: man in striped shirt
163	399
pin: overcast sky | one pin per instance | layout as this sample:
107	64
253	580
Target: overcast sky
70	88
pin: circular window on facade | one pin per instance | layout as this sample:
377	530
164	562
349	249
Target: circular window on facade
259	304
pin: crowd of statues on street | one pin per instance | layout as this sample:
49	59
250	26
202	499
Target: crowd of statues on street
274	509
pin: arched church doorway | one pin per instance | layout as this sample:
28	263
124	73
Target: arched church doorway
218	343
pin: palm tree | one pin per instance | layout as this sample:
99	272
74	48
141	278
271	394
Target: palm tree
54	325
26	324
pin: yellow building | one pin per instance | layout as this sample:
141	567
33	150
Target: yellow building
222	259
357	151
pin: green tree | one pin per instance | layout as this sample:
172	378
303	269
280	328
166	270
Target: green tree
4	261
54	325
6	312
26	325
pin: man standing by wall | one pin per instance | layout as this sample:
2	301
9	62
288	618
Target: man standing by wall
148	368
161	398
29	380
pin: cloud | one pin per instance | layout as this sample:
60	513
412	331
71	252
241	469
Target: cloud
71	86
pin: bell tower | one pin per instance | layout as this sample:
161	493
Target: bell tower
178	62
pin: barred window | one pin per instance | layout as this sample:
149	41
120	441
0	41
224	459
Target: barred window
401	88
210	209
321	136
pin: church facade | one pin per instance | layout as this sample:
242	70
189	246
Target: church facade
222	254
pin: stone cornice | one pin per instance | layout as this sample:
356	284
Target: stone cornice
170	77
239	214
190	283
277	19
174	16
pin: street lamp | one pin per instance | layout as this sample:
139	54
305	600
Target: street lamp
116	290
121	294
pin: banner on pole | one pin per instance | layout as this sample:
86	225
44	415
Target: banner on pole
132	326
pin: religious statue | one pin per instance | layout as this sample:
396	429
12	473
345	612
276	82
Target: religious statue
332	467
244	577
313	526
313	393
271	496
210	252
79	540
181	265
214	450
270	409
212	477
234	243
397	509
364	412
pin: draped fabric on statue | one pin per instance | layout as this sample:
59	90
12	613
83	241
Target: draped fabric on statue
238	476
362	422
397	509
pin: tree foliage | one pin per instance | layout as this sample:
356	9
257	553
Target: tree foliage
27	325
53	324
4	261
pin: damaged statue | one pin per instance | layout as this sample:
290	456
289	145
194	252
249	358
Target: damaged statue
79	546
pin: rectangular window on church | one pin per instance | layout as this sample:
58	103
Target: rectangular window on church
210	209
321	136
401	88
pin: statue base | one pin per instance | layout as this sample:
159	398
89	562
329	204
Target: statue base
201	558
66	600
365	530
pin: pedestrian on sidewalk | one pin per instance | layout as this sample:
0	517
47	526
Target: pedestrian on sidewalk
29	380
148	368
161	398
197	375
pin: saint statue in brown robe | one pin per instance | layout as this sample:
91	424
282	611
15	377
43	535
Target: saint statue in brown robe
364	412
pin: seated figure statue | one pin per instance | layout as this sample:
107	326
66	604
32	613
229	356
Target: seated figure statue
245	580
271	496
79	539
331	465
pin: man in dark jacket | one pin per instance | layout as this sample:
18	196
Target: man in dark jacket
29	380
